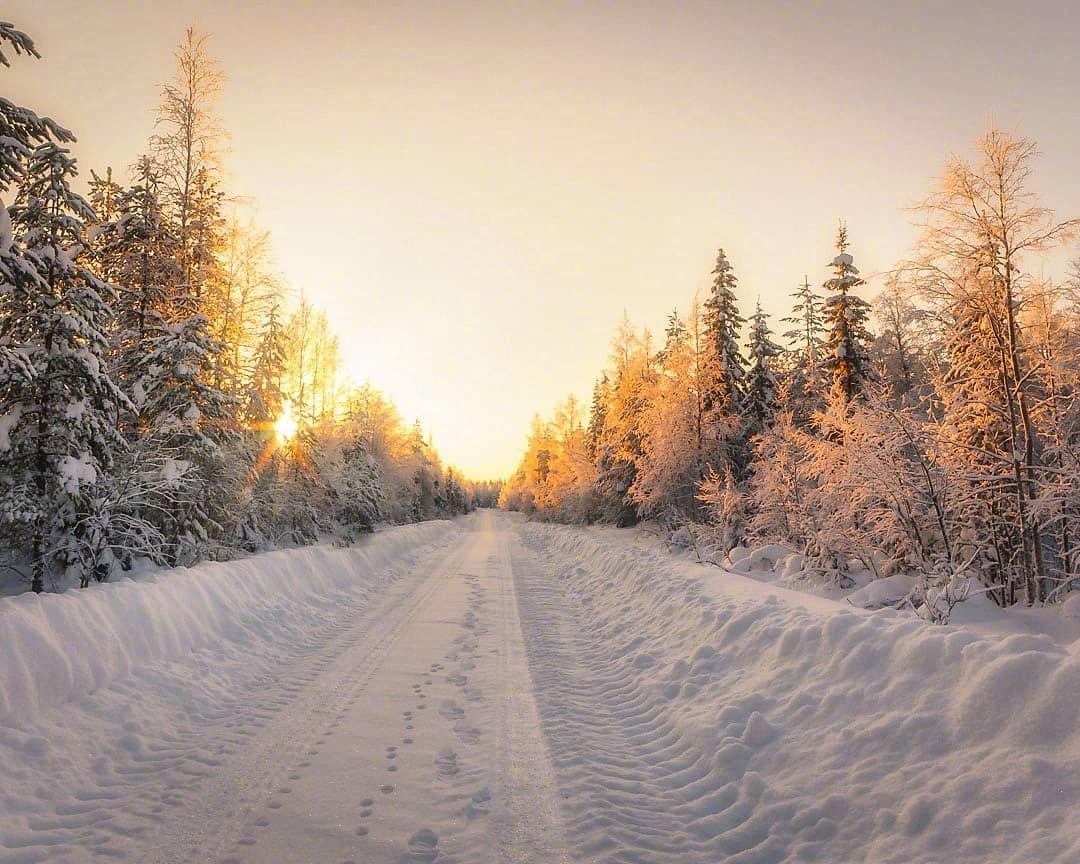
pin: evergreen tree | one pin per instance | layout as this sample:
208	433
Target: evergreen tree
761	387
806	339
264	401
20	128
58	402
192	420
674	335
723	325
807	321
847	355
138	251
597	416
360	491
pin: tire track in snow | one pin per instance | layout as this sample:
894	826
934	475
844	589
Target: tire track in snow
528	826
635	788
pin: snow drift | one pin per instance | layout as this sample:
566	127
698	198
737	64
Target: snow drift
55	647
781	726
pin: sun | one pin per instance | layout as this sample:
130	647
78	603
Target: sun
285	427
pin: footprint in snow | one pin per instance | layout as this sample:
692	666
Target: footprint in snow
480	804
423	845
446	763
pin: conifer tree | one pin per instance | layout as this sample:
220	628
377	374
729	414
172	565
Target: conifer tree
264	401
806	339
723	325
138	251
674	335
59	403
761	387
847	343
597	415
20	128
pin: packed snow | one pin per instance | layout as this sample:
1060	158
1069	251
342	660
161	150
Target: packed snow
492	690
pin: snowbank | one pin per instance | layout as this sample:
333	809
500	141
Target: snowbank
55	647
798	728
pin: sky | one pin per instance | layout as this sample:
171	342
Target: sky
476	192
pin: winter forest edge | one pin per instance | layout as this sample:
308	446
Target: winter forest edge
163	398
929	436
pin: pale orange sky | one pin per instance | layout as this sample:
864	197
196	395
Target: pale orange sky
475	191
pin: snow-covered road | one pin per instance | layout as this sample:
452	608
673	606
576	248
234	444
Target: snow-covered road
490	691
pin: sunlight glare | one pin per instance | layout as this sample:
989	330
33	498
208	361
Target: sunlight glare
285	428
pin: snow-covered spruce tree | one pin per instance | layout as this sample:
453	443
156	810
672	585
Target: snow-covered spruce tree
191	419
20	131
138	251
597	416
847	341
259	499
759	402
675	334
352	475
163	356
20	128
456	495
723	326
806	338
264	399
59	403
978	229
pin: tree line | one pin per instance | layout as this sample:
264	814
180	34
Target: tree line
934	431
161	396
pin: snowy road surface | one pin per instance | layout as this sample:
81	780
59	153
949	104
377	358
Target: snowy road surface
493	691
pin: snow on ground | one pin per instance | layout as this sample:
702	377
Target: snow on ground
491	691
60	646
702	716
780	567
